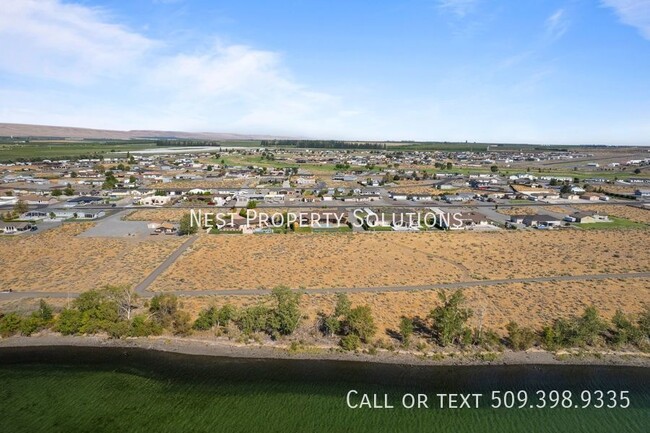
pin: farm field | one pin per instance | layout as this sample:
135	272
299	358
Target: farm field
58	261
45	150
400	259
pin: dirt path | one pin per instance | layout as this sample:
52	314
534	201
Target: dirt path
141	288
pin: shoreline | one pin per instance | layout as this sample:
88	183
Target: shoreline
220	348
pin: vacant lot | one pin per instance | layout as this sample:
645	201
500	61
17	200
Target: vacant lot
399	259
528	304
57	260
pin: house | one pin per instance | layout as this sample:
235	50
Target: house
9	228
154	200
84	200
586	217
421	197
398	195
591	196
536	220
34	215
459	197
164	228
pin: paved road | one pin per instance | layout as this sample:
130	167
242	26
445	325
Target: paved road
141	289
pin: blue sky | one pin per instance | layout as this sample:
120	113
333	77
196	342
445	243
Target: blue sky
573	71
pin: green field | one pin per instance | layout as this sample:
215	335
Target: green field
58	150
616	223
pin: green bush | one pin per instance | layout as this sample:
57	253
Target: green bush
69	322
350	342
10	324
520	338
360	322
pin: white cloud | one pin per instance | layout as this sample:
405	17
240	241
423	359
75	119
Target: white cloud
49	39
635	13
90	68
556	24
460	8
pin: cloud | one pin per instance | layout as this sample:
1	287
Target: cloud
49	39
556	24
93	72
460	8
635	13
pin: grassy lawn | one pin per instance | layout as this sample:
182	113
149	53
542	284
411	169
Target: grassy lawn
616	223
216	231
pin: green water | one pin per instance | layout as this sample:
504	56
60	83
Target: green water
116	390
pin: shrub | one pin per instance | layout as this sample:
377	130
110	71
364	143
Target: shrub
406	330
350	342
69	322
182	323
360	322
10	324
520	338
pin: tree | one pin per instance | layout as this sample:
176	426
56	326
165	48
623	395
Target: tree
644	321
637	171
187	227
449	318
624	330
57	193
286	315
251	204
132	179
20	207
406	330
163	307
449	166
68	190
566	189
125	299
360	322
590	326
343	305
494	169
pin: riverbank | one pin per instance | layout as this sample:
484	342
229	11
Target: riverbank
226	348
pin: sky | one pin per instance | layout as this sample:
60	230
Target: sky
533	71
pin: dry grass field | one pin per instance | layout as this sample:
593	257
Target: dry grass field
399	259
534	304
519	210
58	261
162	214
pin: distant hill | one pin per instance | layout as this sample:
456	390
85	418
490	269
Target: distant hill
66	132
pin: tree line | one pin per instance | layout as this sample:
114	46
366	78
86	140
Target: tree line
322	144
119	312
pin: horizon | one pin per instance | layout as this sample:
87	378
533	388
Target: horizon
561	73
